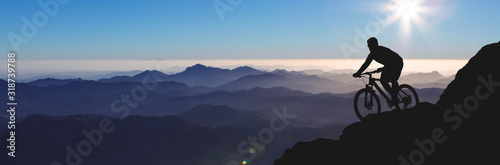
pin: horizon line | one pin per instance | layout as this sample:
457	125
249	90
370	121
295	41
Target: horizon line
84	68
206	59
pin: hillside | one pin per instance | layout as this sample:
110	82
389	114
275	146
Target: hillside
460	129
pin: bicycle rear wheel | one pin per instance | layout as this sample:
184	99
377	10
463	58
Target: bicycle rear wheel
366	102
407	96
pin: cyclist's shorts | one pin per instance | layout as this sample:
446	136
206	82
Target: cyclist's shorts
392	73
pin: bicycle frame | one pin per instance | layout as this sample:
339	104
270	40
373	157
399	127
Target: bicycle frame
372	82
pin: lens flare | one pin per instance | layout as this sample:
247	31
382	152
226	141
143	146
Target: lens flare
251	150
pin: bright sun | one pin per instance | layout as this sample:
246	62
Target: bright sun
407	9
408	13
415	14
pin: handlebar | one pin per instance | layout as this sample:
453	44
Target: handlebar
371	72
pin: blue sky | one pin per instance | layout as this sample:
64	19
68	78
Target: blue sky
254	29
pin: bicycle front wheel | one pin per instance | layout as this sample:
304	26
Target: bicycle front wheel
407	96
366	102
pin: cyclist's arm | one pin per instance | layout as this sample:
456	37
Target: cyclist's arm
365	65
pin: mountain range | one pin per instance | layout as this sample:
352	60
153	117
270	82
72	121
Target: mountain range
246	78
197	75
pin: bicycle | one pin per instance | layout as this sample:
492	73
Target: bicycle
366	100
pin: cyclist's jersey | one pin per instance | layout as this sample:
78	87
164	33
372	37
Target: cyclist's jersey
386	56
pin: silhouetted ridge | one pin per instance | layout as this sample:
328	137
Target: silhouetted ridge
378	139
461	129
483	64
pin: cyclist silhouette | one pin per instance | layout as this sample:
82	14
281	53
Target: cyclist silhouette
393	64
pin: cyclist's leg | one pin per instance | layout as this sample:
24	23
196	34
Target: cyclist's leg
385	78
391	74
395	77
395	85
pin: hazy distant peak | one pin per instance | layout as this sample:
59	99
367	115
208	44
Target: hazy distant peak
153	71
53	81
50	78
279	70
283	72
150	72
197	67
246	69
